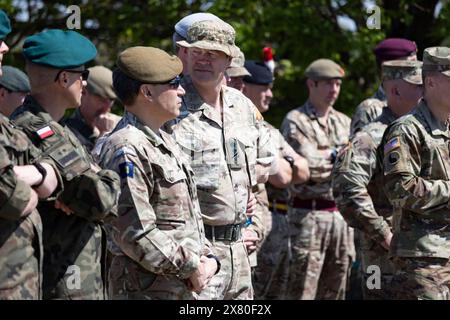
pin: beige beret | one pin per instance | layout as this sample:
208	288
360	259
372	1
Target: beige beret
100	82
324	69
149	65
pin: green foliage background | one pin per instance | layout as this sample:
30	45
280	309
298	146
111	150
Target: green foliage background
299	31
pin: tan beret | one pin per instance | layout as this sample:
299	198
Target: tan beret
324	69
100	82
149	65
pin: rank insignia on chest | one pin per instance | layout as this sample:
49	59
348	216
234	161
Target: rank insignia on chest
45	132
126	169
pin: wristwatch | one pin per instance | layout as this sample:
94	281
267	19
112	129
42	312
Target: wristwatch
290	160
219	265
43	173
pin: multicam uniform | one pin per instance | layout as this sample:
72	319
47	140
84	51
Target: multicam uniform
272	273
416	179
159	234
322	243
359	195
20	237
222	150
367	111
73	244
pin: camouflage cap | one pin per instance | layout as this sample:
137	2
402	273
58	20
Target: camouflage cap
183	25
211	35
237	68
410	71
437	59
5	25
149	65
100	82
324	69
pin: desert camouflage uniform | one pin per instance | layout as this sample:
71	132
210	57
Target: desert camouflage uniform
416	168
222	152
367	111
358	190
20	238
322	243
73	244
272	273
159	231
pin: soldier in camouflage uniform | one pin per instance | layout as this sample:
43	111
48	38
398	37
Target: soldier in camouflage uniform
358	180
322	243
162	250
227	150
271	274
415	150
236	72
369	109
93	118
20	224
73	239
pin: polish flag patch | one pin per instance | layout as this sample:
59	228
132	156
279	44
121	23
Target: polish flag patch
45	132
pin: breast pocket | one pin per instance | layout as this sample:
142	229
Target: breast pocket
204	157
241	155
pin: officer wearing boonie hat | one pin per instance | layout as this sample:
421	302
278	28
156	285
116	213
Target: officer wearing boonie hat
358	177
236	72
73	223
14	86
211	35
410	145
5	29
317	132
92	119
158	190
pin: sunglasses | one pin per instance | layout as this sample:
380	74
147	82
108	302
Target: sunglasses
175	82
84	73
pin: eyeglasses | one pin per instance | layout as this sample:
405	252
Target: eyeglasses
84	73
175	82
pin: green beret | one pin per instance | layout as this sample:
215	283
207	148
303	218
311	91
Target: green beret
149	65
5	25
409	71
100	82
14	80
59	49
324	69
437	59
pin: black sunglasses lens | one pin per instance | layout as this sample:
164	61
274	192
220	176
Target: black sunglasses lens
175	83
85	74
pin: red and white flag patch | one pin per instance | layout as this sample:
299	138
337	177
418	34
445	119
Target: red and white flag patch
45	132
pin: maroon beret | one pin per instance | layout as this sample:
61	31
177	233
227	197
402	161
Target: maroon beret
394	48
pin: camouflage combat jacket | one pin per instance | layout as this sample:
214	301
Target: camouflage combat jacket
358	181
159	225
368	110
72	243
308	136
223	152
20	238
415	151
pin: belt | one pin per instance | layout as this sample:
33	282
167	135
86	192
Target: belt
278	206
314	204
229	232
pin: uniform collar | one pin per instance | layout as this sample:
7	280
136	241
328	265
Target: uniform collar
153	137
387	115
34	107
436	127
310	110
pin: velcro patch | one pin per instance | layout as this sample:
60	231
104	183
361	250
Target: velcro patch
126	169
45	132
392	144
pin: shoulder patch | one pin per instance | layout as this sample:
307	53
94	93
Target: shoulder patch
126	169
45	132
391	144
